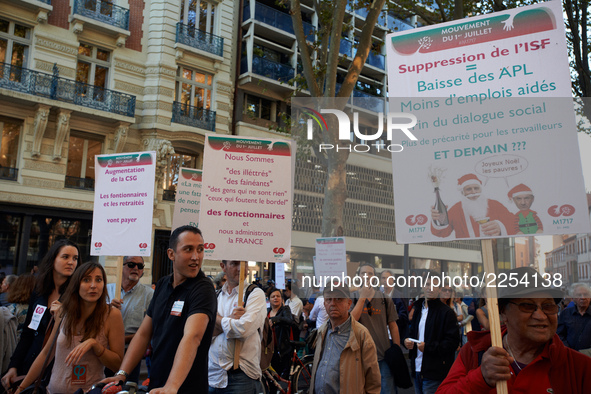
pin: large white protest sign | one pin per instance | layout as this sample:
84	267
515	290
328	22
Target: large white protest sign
188	198
330	259
280	275
123	204
496	152
246	200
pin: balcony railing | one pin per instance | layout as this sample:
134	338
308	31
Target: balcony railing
193	116
8	173
276	18
368	101
377	61
270	69
45	1
196	38
57	88
73	182
103	11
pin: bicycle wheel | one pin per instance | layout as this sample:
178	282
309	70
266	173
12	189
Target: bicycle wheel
302	378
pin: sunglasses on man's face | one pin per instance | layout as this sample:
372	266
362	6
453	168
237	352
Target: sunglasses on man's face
527	307
139	266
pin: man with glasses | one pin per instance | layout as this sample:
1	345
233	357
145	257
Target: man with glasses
377	313
134	301
345	358
574	323
532	358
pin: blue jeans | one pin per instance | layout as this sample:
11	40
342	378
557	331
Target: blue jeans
425	386
238	383
388	386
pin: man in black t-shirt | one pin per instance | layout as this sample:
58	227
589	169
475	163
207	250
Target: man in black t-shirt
179	322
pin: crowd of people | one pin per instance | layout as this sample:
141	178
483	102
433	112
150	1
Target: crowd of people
67	329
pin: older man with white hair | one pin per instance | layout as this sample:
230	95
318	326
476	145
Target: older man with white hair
474	215
574	323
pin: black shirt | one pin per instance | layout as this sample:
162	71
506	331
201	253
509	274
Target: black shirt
31	341
195	295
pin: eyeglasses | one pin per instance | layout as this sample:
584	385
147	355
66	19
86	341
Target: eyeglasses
139	266
527	307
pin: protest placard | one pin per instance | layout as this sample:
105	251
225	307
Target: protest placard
123	204
492	98
246	201
330	259
187	199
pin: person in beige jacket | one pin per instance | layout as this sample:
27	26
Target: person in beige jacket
345	360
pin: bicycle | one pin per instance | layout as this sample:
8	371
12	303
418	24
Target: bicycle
300	374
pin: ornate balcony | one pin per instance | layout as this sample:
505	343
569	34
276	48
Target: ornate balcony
190	36
103	11
8	173
57	88
73	182
193	116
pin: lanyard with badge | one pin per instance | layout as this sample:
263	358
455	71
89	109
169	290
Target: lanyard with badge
37	316
177	308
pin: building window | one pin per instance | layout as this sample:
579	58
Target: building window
194	88
171	176
81	151
11	131
15	40
92	70
257	107
198	14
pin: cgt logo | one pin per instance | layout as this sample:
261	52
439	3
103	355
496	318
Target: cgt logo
210	246
417	220
278	250
98	244
143	245
394	121
564	210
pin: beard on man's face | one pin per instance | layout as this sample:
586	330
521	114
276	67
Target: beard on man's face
475	208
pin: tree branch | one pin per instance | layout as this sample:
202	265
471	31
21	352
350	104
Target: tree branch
306	58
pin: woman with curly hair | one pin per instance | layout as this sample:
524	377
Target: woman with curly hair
55	271
91	335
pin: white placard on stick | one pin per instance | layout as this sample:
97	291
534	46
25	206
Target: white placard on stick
188	198
123	204
280	275
246	199
331	258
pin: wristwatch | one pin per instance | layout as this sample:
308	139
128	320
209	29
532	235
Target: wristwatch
122	372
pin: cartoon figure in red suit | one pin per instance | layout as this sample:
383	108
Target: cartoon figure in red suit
526	220
474	215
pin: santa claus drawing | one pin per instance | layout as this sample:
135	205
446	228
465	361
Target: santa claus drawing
474	215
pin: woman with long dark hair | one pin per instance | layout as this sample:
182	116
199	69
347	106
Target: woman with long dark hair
90	337
282	321
55	271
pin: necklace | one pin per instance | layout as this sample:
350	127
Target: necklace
511	353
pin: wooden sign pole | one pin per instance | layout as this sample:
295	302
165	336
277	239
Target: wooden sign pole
492	303
238	343
119	276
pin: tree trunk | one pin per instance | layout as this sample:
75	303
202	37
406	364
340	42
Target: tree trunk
335	194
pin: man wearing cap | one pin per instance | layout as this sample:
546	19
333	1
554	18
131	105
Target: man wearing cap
134	302
532	358
474	215
345	359
526	220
